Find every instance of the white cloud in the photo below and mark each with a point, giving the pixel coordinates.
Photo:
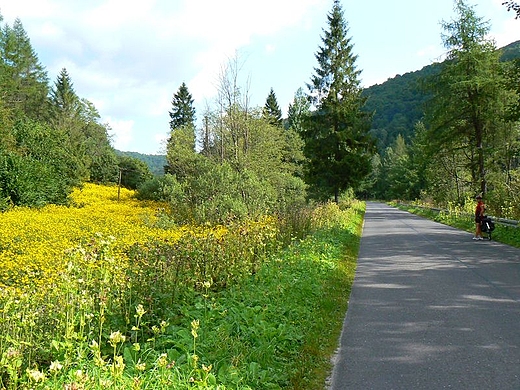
(121, 132)
(30, 9)
(270, 48)
(508, 32)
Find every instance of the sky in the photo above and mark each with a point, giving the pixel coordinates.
(129, 57)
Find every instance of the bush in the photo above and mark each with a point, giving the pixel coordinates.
(37, 169)
(160, 189)
(134, 172)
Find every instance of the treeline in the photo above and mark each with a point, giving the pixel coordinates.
(242, 161)
(51, 140)
(460, 133)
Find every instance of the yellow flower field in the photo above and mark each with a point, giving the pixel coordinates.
(33, 241)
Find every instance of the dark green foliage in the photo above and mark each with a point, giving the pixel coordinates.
(87, 139)
(510, 52)
(49, 142)
(337, 145)
(183, 112)
(398, 176)
(134, 172)
(65, 105)
(162, 188)
(156, 162)
(399, 103)
(272, 112)
(23, 80)
(468, 95)
(512, 72)
(38, 169)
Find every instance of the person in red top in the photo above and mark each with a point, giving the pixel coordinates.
(479, 213)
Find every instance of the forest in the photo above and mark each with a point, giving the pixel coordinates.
(409, 138)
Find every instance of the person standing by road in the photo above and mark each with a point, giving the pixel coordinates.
(479, 214)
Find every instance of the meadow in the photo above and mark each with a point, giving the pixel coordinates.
(110, 293)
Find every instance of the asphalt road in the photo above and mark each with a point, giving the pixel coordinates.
(429, 309)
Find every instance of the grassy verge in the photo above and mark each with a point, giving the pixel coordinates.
(505, 234)
(282, 326)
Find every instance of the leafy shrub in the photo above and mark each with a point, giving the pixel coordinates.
(37, 170)
(134, 172)
(160, 189)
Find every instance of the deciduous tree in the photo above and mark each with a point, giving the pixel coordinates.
(299, 110)
(470, 95)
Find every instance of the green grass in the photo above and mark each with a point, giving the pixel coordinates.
(282, 326)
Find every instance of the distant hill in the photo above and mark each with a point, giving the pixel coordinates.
(155, 162)
(511, 51)
(398, 102)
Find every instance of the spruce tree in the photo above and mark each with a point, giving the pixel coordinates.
(183, 112)
(272, 111)
(23, 80)
(180, 148)
(337, 144)
(64, 103)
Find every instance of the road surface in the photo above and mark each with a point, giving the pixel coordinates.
(429, 309)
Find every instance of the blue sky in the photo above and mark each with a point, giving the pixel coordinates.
(129, 57)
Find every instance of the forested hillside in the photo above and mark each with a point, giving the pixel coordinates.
(398, 103)
(155, 162)
(451, 130)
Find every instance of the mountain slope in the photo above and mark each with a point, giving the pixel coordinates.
(155, 162)
(398, 103)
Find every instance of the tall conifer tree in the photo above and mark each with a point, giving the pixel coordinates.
(272, 111)
(337, 144)
(23, 79)
(183, 112)
(65, 104)
(180, 149)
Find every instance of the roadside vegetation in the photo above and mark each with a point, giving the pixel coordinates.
(142, 304)
(461, 218)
